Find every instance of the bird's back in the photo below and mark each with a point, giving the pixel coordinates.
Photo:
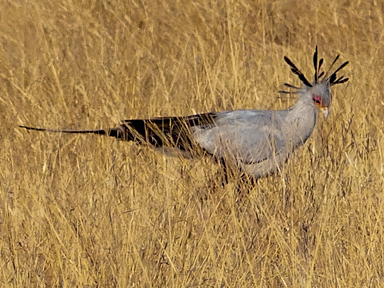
(257, 140)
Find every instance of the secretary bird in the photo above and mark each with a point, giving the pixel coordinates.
(257, 142)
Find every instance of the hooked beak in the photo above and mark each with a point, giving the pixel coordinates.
(325, 111)
(318, 103)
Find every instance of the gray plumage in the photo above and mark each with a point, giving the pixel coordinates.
(256, 141)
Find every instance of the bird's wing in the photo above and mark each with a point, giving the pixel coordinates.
(166, 131)
(246, 136)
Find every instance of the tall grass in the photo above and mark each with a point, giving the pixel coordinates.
(89, 211)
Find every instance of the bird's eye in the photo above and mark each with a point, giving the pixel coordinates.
(316, 99)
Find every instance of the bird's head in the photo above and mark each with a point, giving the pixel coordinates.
(320, 95)
(318, 92)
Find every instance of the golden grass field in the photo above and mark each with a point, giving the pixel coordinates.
(90, 211)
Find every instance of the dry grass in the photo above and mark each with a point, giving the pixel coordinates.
(89, 211)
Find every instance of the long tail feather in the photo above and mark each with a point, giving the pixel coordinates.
(159, 132)
(99, 131)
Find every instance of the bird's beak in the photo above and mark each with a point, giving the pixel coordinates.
(325, 111)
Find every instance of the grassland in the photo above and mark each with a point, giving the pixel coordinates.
(88, 211)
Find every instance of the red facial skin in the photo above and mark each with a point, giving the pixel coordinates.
(317, 100)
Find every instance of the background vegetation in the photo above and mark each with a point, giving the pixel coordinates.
(89, 211)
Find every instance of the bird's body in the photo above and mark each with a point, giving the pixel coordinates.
(256, 141)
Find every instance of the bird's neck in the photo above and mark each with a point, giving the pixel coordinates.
(302, 118)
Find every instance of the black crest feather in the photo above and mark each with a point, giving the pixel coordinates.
(331, 80)
(315, 65)
(296, 71)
